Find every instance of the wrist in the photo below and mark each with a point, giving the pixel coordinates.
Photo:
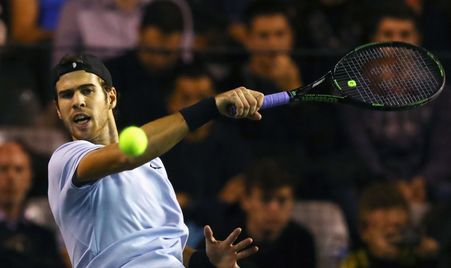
(200, 113)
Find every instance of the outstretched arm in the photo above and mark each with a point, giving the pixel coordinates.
(162, 135)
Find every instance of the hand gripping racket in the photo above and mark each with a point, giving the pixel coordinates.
(386, 76)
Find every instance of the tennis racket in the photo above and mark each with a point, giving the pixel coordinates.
(385, 76)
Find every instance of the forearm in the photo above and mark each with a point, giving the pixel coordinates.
(162, 135)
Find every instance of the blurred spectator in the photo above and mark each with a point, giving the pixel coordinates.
(267, 205)
(269, 41)
(107, 28)
(388, 237)
(22, 243)
(270, 68)
(143, 75)
(329, 24)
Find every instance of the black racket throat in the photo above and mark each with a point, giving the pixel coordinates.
(322, 90)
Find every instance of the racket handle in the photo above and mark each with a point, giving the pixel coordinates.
(271, 100)
(276, 99)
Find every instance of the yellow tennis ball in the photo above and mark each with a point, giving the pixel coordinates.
(133, 141)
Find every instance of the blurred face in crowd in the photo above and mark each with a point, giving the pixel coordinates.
(15, 175)
(268, 213)
(382, 229)
(394, 29)
(85, 107)
(269, 33)
(166, 46)
(189, 90)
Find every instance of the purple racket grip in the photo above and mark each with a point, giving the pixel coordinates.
(276, 99)
(271, 100)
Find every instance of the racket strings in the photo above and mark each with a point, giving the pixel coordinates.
(389, 75)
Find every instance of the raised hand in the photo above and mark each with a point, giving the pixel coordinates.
(225, 254)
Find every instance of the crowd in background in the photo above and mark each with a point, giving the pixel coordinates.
(315, 185)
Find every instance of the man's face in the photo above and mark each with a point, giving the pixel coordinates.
(83, 105)
(15, 174)
(392, 29)
(384, 226)
(153, 38)
(189, 90)
(269, 211)
(269, 33)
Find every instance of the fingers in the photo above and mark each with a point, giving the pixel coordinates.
(232, 236)
(246, 253)
(208, 233)
(247, 103)
(243, 244)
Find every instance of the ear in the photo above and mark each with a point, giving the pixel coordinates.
(112, 98)
(57, 109)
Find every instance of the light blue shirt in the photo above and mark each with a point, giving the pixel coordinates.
(127, 219)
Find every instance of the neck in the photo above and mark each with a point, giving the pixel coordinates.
(113, 135)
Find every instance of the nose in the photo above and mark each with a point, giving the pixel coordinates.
(78, 100)
(273, 205)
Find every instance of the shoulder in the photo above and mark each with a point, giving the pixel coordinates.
(72, 147)
(69, 154)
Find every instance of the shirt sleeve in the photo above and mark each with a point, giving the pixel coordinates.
(62, 167)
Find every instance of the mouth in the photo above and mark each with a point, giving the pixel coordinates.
(81, 119)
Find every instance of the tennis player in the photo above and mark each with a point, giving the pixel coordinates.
(119, 211)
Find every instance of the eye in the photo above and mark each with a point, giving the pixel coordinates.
(68, 94)
(86, 91)
(405, 34)
(280, 33)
